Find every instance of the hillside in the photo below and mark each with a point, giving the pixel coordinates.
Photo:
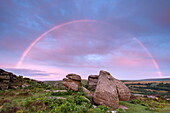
(156, 79)
(38, 97)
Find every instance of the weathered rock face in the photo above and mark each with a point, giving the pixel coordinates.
(4, 80)
(110, 90)
(72, 81)
(7, 80)
(74, 77)
(88, 93)
(106, 92)
(122, 90)
(92, 81)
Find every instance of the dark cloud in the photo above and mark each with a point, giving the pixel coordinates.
(28, 72)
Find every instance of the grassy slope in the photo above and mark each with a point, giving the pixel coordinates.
(17, 99)
(137, 108)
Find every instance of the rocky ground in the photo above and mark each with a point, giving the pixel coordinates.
(100, 94)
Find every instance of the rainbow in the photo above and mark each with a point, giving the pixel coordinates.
(45, 33)
(19, 63)
(151, 56)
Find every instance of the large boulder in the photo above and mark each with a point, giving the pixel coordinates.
(106, 91)
(109, 91)
(72, 81)
(92, 81)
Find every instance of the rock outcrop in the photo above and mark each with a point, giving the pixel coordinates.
(109, 91)
(92, 82)
(72, 81)
(106, 91)
(9, 80)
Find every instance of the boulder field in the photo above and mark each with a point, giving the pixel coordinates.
(108, 90)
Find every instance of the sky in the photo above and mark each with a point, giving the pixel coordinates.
(48, 39)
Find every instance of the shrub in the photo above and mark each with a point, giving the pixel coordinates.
(73, 103)
(69, 92)
(119, 110)
(59, 93)
(3, 101)
(151, 104)
(153, 109)
(9, 109)
(100, 109)
(135, 101)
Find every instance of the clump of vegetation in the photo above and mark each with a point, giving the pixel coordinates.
(9, 109)
(75, 103)
(150, 104)
(3, 101)
(68, 92)
(119, 110)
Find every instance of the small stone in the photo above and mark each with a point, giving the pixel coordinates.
(59, 91)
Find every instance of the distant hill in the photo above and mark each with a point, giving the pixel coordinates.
(150, 79)
(84, 81)
(156, 79)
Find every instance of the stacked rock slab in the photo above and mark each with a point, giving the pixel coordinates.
(92, 82)
(9, 80)
(6, 80)
(72, 81)
(109, 91)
